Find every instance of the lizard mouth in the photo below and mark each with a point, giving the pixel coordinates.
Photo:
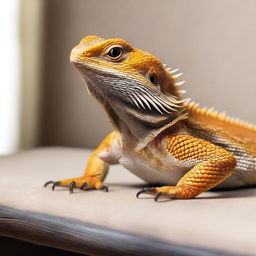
(87, 87)
(86, 79)
(88, 84)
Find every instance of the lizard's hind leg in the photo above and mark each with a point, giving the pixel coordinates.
(213, 165)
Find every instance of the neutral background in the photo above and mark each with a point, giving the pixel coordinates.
(213, 42)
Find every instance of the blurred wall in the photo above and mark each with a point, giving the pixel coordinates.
(213, 42)
(31, 43)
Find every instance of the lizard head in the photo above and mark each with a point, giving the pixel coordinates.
(130, 83)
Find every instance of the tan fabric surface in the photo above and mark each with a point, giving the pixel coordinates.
(217, 220)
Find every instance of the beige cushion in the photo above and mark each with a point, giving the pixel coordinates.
(222, 221)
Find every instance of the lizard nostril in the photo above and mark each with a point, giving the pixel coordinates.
(82, 53)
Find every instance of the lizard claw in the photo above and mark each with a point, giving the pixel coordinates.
(83, 187)
(48, 182)
(72, 185)
(145, 190)
(158, 195)
(155, 192)
(86, 183)
(54, 184)
(140, 192)
(105, 188)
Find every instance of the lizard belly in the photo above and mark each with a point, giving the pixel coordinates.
(150, 172)
(167, 171)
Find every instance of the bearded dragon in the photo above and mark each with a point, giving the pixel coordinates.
(157, 135)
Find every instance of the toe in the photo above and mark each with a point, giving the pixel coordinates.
(57, 183)
(145, 191)
(84, 186)
(72, 185)
(48, 182)
(105, 188)
(158, 195)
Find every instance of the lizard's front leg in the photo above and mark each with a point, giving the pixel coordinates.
(212, 165)
(95, 172)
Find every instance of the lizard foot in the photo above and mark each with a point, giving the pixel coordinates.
(84, 183)
(167, 192)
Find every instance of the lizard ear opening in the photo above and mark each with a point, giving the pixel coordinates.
(153, 79)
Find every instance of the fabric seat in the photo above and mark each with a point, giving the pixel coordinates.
(96, 222)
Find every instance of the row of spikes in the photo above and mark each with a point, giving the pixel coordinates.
(222, 116)
(207, 111)
(173, 73)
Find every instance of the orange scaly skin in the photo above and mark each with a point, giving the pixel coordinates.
(214, 165)
(157, 135)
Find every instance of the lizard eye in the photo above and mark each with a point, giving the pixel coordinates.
(115, 52)
(153, 79)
